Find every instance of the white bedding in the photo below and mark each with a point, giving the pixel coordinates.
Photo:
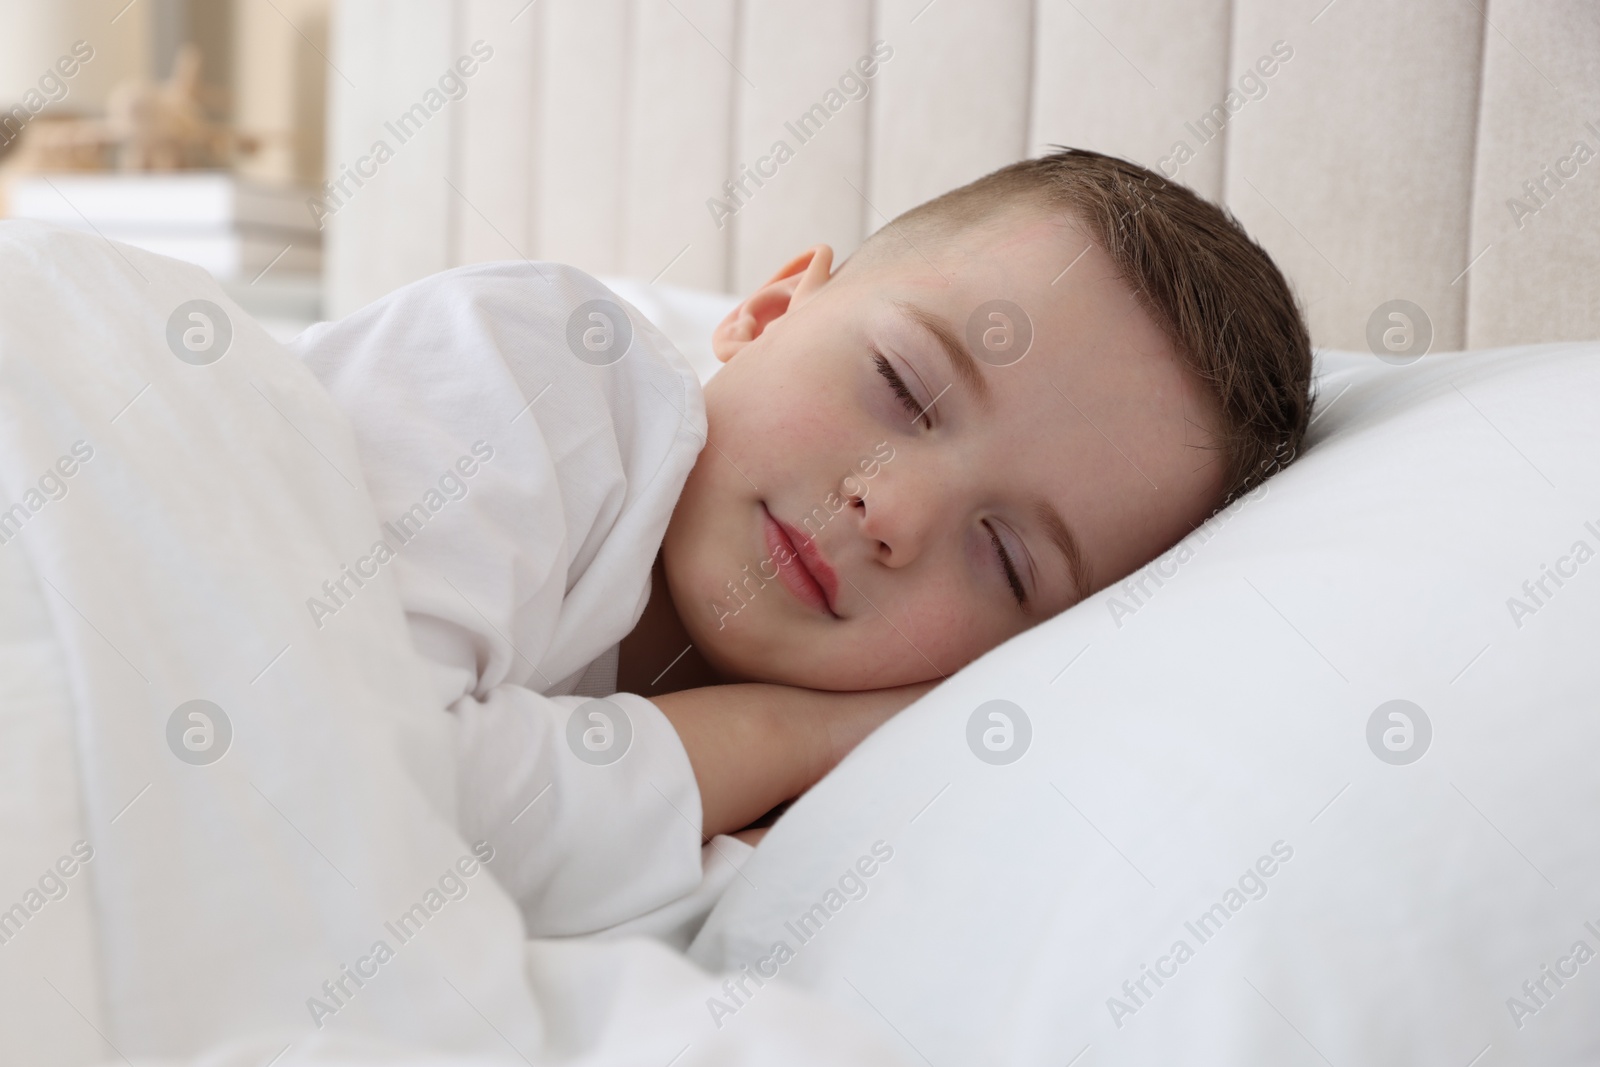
(221, 896)
(1215, 714)
(1196, 744)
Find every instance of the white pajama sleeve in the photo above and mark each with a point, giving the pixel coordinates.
(522, 533)
(580, 845)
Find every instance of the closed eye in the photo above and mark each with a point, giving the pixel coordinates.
(1011, 571)
(898, 384)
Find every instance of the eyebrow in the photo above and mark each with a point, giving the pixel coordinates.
(955, 351)
(1060, 535)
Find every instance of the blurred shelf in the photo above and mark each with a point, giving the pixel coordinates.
(257, 239)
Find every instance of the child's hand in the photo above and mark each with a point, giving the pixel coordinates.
(754, 745)
(848, 722)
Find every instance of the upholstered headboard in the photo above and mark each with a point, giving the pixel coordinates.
(1444, 152)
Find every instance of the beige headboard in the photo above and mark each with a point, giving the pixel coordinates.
(1426, 150)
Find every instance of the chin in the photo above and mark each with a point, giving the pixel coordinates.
(729, 669)
(723, 650)
(719, 647)
(742, 657)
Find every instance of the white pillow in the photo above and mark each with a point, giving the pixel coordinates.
(686, 316)
(1206, 742)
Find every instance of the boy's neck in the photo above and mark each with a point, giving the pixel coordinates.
(645, 662)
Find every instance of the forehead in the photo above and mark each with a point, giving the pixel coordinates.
(1042, 260)
(1037, 303)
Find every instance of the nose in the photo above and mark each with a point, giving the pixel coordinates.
(896, 513)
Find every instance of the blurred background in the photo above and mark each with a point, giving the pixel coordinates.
(194, 128)
(1441, 157)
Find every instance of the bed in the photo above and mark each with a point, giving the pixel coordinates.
(1315, 787)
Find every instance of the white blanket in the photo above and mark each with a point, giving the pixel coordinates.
(220, 910)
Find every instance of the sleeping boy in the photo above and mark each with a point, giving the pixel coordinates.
(657, 612)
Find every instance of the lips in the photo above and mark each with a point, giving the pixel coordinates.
(801, 568)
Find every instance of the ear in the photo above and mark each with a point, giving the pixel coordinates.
(793, 285)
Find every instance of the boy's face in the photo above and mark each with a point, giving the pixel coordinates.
(1098, 422)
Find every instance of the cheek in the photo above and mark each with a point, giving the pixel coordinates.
(795, 457)
(938, 620)
(782, 410)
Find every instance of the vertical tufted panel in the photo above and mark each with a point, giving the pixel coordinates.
(581, 153)
(679, 127)
(791, 57)
(1357, 176)
(1376, 163)
(1125, 78)
(952, 105)
(397, 226)
(498, 132)
(1539, 275)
